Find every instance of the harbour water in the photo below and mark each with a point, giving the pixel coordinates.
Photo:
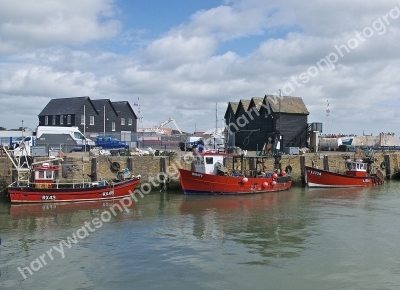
(298, 239)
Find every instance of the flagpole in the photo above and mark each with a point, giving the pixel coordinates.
(327, 115)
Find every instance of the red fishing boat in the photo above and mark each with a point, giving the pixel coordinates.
(38, 182)
(209, 176)
(356, 175)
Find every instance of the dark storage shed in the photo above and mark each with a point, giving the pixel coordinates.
(259, 120)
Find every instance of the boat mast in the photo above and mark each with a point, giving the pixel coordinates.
(216, 123)
(216, 118)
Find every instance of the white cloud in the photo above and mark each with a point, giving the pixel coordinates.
(25, 25)
(175, 48)
(227, 23)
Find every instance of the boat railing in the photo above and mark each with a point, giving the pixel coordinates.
(75, 184)
(249, 173)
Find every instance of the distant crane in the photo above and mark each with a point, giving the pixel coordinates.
(165, 123)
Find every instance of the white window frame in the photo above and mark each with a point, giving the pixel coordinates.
(91, 120)
(68, 119)
(129, 121)
(113, 126)
(46, 120)
(122, 121)
(61, 119)
(53, 120)
(83, 120)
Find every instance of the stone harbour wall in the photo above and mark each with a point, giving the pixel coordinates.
(78, 168)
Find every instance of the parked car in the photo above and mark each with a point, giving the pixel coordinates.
(109, 142)
(190, 146)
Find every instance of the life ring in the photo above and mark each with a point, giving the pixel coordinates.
(288, 169)
(383, 165)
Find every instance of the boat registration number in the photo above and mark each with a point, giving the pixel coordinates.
(315, 172)
(197, 174)
(48, 197)
(107, 193)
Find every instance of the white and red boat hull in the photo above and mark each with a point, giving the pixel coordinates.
(119, 189)
(202, 183)
(322, 178)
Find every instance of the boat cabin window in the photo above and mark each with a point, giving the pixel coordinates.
(49, 174)
(209, 160)
(356, 166)
(44, 174)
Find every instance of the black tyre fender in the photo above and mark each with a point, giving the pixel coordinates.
(115, 166)
(288, 169)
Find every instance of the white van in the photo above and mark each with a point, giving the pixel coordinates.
(74, 132)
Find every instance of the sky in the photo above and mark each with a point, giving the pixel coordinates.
(187, 59)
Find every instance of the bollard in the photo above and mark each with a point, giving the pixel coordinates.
(252, 166)
(64, 168)
(93, 169)
(129, 163)
(326, 163)
(163, 175)
(303, 170)
(386, 158)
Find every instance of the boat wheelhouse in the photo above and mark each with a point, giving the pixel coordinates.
(356, 168)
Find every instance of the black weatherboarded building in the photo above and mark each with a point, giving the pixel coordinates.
(92, 116)
(253, 123)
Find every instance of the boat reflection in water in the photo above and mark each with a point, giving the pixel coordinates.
(350, 193)
(231, 204)
(264, 223)
(75, 212)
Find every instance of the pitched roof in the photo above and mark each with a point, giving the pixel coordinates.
(119, 106)
(245, 104)
(65, 106)
(233, 106)
(257, 102)
(99, 105)
(288, 104)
